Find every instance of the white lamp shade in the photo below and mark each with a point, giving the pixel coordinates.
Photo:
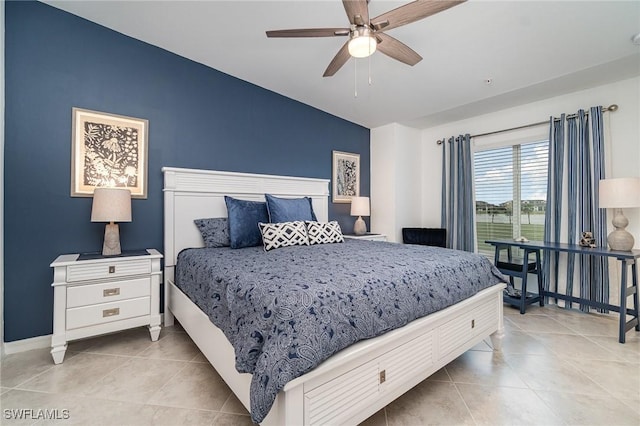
(619, 193)
(360, 206)
(362, 46)
(111, 205)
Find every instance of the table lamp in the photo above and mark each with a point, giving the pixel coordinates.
(360, 207)
(111, 205)
(620, 193)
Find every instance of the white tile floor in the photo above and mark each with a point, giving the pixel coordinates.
(557, 367)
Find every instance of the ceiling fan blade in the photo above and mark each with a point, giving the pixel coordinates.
(310, 32)
(413, 11)
(357, 11)
(396, 49)
(338, 61)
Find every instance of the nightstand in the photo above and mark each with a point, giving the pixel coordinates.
(95, 294)
(368, 236)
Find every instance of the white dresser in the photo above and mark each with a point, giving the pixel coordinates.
(100, 295)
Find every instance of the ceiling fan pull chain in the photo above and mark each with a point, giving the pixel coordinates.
(370, 82)
(355, 78)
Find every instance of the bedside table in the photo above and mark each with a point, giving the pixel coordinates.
(368, 236)
(95, 294)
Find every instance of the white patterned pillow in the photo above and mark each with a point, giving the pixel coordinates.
(324, 233)
(283, 234)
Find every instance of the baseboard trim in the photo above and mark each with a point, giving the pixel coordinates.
(39, 342)
(29, 344)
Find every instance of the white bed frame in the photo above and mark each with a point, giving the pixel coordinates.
(354, 383)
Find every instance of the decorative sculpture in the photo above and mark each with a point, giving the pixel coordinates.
(587, 240)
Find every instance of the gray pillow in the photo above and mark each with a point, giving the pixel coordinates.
(214, 231)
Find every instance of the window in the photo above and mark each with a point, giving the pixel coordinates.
(511, 192)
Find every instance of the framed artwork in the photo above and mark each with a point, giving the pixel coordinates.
(346, 176)
(108, 150)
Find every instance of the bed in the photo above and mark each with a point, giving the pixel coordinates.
(356, 381)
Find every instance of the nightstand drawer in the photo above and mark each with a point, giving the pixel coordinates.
(107, 312)
(102, 270)
(107, 292)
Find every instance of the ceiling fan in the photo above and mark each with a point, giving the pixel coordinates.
(367, 35)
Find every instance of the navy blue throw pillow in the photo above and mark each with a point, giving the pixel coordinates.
(289, 209)
(243, 221)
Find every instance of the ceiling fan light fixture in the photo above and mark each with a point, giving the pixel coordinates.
(365, 33)
(362, 43)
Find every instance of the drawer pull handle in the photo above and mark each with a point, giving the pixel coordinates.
(383, 376)
(111, 292)
(473, 323)
(110, 312)
(112, 269)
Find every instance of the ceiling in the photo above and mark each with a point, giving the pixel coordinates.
(529, 50)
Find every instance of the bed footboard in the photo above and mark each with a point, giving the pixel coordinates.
(361, 379)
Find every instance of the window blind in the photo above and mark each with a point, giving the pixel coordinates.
(510, 191)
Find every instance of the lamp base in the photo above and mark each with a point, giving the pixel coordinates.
(360, 227)
(620, 239)
(111, 246)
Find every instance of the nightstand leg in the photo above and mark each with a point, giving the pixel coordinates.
(57, 352)
(154, 331)
(59, 337)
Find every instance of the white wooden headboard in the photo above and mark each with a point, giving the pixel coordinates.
(195, 194)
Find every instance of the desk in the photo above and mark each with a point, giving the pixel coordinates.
(626, 258)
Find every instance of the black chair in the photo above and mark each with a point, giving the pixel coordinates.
(425, 236)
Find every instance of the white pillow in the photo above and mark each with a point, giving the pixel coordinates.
(324, 232)
(283, 234)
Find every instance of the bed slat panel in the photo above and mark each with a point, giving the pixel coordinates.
(400, 365)
(343, 396)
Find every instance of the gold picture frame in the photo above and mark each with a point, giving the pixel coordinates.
(108, 150)
(346, 176)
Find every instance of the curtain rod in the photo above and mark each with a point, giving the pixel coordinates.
(611, 108)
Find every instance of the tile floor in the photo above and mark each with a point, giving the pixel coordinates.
(557, 367)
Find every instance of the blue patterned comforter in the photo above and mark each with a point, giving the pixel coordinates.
(287, 310)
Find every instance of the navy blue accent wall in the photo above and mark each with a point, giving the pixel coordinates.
(198, 118)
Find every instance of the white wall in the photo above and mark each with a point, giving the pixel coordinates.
(391, 180)
(396, 189)
(623, 129)
(409, 188)
(432, 180)
(383, 186)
